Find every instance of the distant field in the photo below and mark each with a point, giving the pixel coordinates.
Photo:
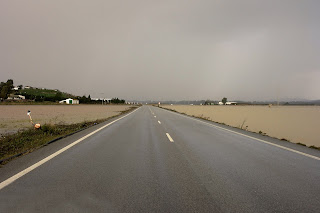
(299, 124)
(14, 117)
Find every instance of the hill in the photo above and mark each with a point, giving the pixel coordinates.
(40, 95)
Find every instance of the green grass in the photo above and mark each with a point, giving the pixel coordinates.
(31, 139)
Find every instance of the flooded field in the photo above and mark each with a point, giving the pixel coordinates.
(14, 117)
(298, 124)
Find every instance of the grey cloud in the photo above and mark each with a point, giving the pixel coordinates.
(250, 50)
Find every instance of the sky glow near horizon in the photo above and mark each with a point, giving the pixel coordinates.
(164, 50)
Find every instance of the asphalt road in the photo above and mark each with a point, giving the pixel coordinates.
(154, 160)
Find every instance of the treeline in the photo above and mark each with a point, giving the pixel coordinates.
(88, 100)
(84, 99)
(117, 101)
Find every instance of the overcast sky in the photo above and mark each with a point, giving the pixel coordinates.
(164, 50)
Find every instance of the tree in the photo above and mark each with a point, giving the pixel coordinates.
(2, 84)
(20, 86)
(9, 84)
(224, 100)
(6, 88)
(4, 92)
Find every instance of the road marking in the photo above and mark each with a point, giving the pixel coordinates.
(169, 137)
(34, 166)
(151, 111)
(257, 139)
(159, 122)
(155, 116)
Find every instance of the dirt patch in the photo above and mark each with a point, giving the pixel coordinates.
(14, 117)
(298, 124)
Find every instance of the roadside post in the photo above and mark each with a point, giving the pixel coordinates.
(36, 126)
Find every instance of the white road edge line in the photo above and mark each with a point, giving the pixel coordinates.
(159, 122)
(169, 137)
(263, 141)
(34, 166)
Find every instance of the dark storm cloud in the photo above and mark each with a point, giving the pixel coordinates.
(250, 50)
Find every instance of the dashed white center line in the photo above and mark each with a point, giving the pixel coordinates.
(155, 116)
(151, 111)
(169, 137)
(159, 122)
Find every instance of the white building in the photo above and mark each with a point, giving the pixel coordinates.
(16, 97)
(231, 103)
(228, 103)
(69, 101)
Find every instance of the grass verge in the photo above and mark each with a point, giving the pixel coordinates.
(26, 141)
